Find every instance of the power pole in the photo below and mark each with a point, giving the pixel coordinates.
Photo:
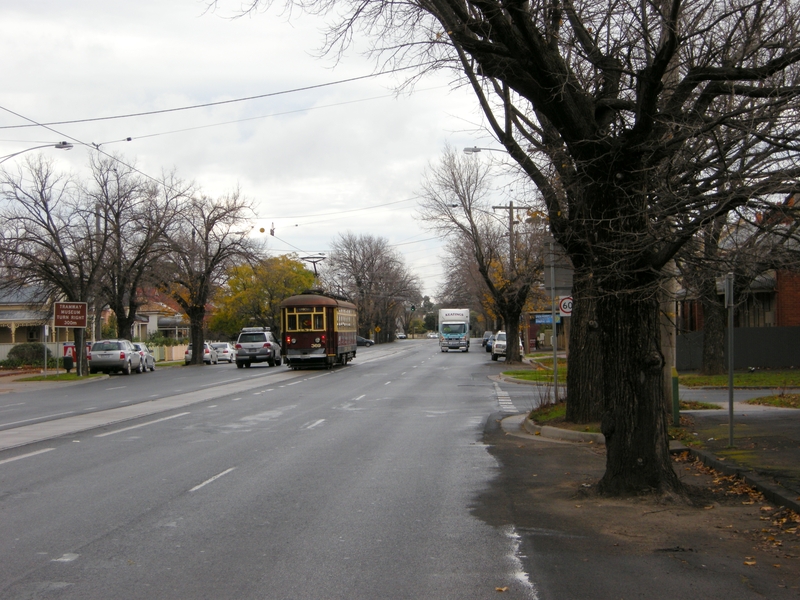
(511, 222)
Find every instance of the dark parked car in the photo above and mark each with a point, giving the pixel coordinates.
(110, 356)
(364, 341)
(486, 336)
(489, 343)
(148, 360)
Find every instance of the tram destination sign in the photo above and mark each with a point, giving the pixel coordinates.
(70, 314)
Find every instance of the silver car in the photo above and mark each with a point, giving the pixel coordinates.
(110, 356)
(225, 351)
(257, 344)
(148, 360)
(209, 354)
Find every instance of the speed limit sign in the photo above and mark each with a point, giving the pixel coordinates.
(565, 306)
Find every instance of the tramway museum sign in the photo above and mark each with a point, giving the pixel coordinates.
(70, 314)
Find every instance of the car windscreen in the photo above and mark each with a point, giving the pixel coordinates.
(501, 337)
(105, 346)
(250, 338)
(454, 328)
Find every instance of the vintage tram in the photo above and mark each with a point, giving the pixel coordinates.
(319, 330)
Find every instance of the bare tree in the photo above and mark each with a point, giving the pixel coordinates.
(367, 270)
(210, 236)
(135, 214)
(456, 203)
(49, 239)
(611, 110)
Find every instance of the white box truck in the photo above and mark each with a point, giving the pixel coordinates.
(454, 329)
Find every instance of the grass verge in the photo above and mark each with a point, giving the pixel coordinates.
(780, 400)
(59, 377)
(554, 415)
(785, 378)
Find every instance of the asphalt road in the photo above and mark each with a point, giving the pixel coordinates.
(354, 483)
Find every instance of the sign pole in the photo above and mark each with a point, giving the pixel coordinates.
(553, 315)
(729, 304)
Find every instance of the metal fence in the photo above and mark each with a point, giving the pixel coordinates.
(759, 347)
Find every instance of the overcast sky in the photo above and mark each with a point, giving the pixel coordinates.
(338, 158)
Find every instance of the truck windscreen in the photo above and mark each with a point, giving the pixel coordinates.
(458, 328)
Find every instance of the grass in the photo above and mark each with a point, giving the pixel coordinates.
(60, 377)
(554, 415)
(541, 376)
(764, 378)
(781, 401)
(695, 405)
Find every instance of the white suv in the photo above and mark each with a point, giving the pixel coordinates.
(500, 343)
(257, 344)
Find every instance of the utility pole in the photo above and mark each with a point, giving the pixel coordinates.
(511, 255)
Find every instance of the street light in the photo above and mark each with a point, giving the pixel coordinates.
(475, 150)
(58, 146)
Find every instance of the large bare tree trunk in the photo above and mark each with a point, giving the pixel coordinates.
(585, 372)
(634, 423)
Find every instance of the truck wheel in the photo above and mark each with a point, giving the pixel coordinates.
(278, 360)
(239, 364)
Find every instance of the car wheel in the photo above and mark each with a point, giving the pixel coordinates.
(278, 360)
(247, 364)
(92, 371)
(127, 369)
(153, 367)
(140, 369)
(494, 356)
(239, 364)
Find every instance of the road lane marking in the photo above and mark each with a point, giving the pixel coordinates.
(387, 383)
(121, 387)
(314, 424)
(8, 460)
(214, 478)
(141, 425)
(235, 399)
(37, 418)
(359, 398)
(68, 557)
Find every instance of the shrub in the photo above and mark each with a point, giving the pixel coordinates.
(29, 353)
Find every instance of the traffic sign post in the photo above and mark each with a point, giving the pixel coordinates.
(70, 314)
(565, 306)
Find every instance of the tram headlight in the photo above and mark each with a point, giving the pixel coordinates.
(316, 340)
(294, 340)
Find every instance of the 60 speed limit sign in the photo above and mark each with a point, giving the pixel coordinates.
(565, 306)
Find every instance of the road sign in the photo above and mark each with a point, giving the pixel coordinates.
(377, 329)
(70, 314)
(565, 306)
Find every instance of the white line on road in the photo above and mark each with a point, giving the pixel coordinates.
(314, 424)
(141, 425)
(359, 398)
(214, 478)
(387, 383)
(8, 460)
(121, 387)
(235, 399)
(68, 557)
(37, 418)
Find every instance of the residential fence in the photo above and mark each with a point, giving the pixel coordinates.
(161, 353)
(758, 347)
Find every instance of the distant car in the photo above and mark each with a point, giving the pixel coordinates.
(148, 360)
(433, 335)
(364, 341)
(489, 343)
(257, 344)
(225, 351)
(486, 336)
(110, 356)
(401, 336)
(209, 354)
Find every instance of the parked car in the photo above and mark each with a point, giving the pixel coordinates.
(489, 343)
(433, 335)
(148, 360)
(360, 341)
(401, 336)
(110, 356)
(500, 344)
(225, 351)
(209, 354)
(486, 336)
(257, 344)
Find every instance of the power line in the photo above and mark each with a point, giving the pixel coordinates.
(219, 103)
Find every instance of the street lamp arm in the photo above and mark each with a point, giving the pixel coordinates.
(476, 149)
(58, 146)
